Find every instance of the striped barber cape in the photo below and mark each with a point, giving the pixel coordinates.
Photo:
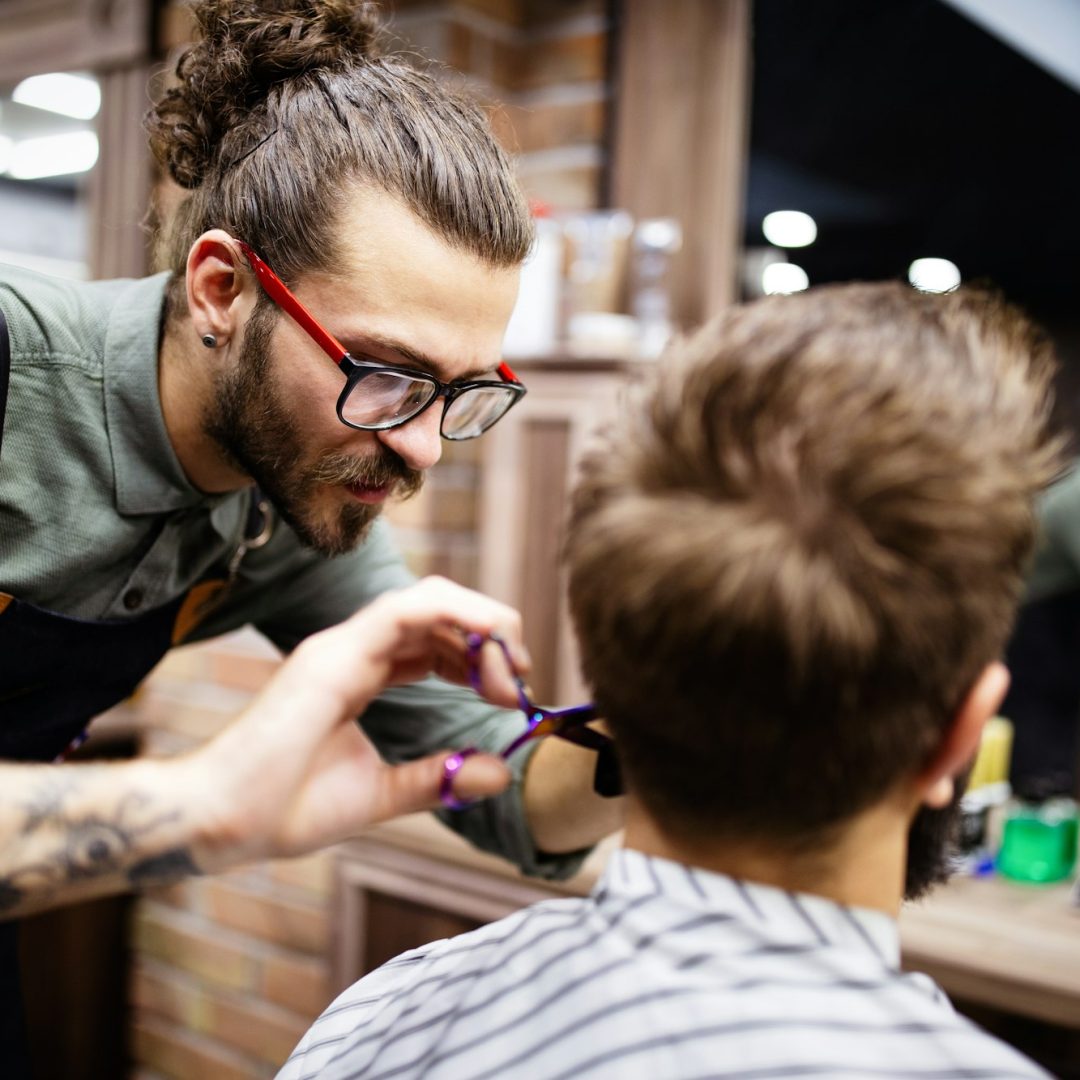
(664, 971)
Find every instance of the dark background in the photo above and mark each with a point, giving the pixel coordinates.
(906, 130)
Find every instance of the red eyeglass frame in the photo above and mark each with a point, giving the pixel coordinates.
(280, 293)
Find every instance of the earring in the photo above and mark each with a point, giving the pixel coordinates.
(209, 341)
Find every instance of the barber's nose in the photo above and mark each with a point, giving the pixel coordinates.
(418, 442)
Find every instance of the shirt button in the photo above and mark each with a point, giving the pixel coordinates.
(133, 598)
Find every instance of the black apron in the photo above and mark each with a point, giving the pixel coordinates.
(57, 673)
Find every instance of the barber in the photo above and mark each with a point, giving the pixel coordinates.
(211, 447)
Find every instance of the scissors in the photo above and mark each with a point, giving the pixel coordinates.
(569, 724)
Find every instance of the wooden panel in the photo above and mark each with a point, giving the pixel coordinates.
(388, 899)
(546, 457)
(120, 182)
(529, 462)
(396, 925)
(68, 35)
(680, 136)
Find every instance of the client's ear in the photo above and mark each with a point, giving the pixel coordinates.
(961, 742)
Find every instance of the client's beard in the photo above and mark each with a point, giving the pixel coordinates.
(932, 843)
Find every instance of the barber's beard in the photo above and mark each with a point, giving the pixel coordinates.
(256, 430)
(932, 844)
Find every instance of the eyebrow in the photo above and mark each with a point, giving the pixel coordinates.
(418, 360)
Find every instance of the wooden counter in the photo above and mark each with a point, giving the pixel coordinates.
(999, 943)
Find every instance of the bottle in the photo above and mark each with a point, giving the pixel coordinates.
(656, 242)
(1039, 837)
(534, 328)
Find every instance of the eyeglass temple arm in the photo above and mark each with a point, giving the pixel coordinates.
(506, 373)
(279, 292)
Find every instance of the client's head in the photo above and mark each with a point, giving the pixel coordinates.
(797, 555)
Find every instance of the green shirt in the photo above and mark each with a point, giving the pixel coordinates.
(98, 521)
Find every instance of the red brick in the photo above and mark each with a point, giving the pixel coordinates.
(312, 873)
(550, 125)
(505, 11)
(182, 1055)
(177, 939)
(170, 996)
(580, 58)
(545, 12)
(454, 510)
(293, 924)
(263, 1031)
(301, 984)
(181, 894)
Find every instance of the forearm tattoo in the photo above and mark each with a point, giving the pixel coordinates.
(58, 845)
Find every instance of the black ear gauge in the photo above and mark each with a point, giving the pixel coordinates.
(209, 341)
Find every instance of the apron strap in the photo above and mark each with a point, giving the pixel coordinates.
(5, 368)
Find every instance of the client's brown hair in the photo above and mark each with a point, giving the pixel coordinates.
(794, 552)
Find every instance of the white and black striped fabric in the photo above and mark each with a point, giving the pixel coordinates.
(663, 972)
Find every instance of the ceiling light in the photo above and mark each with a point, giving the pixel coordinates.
(53, 155)
(783, 277)
(934, 275)
(789, 228)
(70, 95)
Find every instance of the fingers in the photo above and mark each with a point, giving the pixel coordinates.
(438, 603)
(414, 786)
(496, 679)
(401, 637)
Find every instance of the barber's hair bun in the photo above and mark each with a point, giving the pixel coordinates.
(245, 48)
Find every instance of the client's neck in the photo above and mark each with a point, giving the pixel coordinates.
(864, 867)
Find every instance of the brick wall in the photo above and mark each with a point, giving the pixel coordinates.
(228, 972)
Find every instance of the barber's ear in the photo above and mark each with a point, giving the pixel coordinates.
(219, 296)
(961, 742)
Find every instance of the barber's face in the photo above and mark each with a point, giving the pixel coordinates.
(400, 295)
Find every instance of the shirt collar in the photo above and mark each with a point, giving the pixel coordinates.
(791, 918)
(146, 471)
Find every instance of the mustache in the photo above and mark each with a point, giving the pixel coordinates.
(385, 469)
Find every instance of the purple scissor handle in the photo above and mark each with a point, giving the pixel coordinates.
(567, 724)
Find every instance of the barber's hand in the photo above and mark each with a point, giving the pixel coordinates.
(295, 771)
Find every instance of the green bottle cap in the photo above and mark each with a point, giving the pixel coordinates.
(1039, 842)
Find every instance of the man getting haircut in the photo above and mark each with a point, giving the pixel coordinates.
(793, 563)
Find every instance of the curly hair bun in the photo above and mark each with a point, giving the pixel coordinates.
(246, 47)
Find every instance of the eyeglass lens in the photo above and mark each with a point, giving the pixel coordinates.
(385, 398)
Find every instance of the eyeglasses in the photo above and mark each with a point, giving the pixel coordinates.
(567, 724)
(378, 396)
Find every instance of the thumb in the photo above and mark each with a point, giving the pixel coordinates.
(405, 789)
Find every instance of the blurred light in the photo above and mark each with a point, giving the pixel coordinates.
(783, 277)
(5, 152)
(789, 228)
(934, 275)
(70, 95)
(53, 155)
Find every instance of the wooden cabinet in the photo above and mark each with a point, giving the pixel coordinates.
(528, 472)
(412, 881)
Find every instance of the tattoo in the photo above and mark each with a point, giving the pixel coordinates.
(163, 869)
(70, 846)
